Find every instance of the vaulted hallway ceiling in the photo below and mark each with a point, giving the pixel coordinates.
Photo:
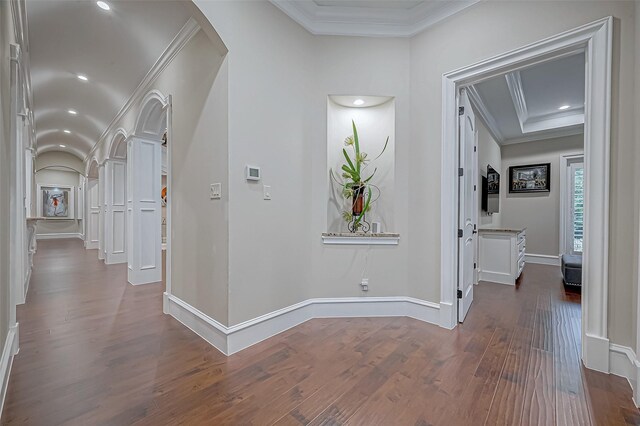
(113, 49)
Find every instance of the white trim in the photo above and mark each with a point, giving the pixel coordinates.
(542, 259)
(59, 235)
(514, 83)
(186, 33)
(9, 350)
(363, 240)
(549, 123)
(484, 113)
(595, 40)
(230, 340)
(546, 134)
(623, 362)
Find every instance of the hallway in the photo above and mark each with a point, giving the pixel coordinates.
(96, 350)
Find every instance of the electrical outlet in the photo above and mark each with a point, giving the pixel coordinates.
(365, 284)
(215, 191)
(266, 190)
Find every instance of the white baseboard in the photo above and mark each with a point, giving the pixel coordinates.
(542, 259)
(58, 235)
(624, 363)
(496, 277)
(6, 361)
(596, 353)
(230, 340)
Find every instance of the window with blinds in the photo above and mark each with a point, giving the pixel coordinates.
(577, 208)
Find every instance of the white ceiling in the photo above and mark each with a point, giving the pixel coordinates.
(391, 18)
(524, 105)
(115, 49)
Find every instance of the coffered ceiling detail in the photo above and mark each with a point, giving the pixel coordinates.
(382, 18)
(541, 102)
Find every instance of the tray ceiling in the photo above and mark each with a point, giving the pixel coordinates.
(541, 102)
(389, 18)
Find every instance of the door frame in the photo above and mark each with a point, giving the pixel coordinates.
(565, 161)
(595, 40)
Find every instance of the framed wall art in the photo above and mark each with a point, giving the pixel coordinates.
(530, 178)
(56, 201)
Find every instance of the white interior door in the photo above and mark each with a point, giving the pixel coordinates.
(93, 214)
(144, 160)
(115, 229)
(468, 209)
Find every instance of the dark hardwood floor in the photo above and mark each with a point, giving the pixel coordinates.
(95, 350)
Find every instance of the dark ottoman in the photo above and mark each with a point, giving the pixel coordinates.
(572, 269)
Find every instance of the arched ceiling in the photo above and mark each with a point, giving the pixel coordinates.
(113, 48)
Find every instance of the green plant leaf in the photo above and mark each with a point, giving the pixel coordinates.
(354, 176)
(346, 156)
(369, 178)
(356, 144)
(383, 149)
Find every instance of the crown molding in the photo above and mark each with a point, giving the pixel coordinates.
(550, 121)
(486, 117)
(369, 21)
(514, 83)
(546, 134)
(186, 33)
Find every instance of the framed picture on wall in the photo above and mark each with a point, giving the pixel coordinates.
(56, 201)
(530, 178)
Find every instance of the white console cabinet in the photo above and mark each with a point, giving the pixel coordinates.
(501, 254)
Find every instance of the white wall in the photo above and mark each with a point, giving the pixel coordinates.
(198, 83)
(61, 227)
(488, 154)
(538, 212)
(478, 33)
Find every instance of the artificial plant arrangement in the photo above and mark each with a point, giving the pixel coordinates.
(356, 182)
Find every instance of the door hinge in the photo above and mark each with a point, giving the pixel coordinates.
(460, 233)
(475, 149)
(474, 188)
(460, 171)
(461, 110)
(459, 294)
(475, 266)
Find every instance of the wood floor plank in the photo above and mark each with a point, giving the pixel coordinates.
(98, 351)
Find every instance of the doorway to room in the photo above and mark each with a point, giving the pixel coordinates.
(594, 42)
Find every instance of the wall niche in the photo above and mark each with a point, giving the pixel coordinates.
(374, 117)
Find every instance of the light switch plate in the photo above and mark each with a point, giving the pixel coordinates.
(216, 191)
(266, 189)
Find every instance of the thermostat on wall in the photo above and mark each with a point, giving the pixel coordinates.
(252, 173)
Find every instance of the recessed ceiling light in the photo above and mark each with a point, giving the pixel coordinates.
(102, 5)
(358, 102)
(564, 107)
(67, 131)
(62, 146)
(72, 112)
(82, 77)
